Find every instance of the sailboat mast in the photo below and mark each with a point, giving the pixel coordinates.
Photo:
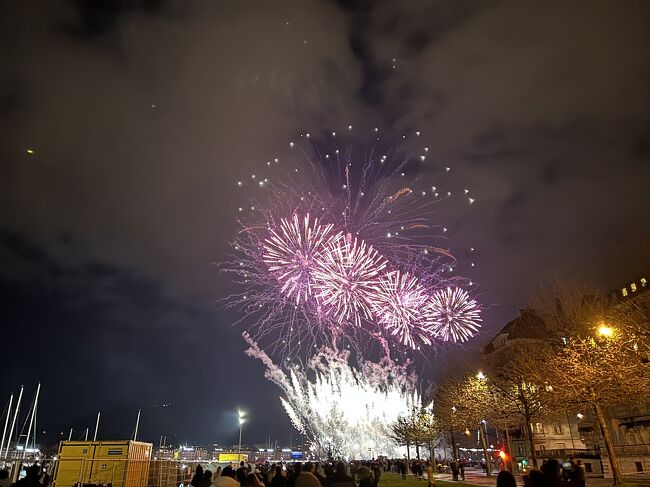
(31, 419)
(13, 422)
(137, 424)
(4, 431)
(99, 413)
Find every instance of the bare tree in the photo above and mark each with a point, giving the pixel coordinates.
(460, 403)
(427, 428)
(403, 432)
(515, 393)
(449, 409)
(600, 360)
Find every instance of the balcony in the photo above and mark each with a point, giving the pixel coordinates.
(568, 453)
(631, 450)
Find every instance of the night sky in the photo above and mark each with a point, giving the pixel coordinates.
(141, 115)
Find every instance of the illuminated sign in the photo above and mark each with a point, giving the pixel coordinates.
(232, 457)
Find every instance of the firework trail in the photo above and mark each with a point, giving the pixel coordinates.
(339, 247)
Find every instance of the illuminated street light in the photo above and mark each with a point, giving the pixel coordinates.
(240, 415)
(481, 375)
(605, 331)
(580, 415)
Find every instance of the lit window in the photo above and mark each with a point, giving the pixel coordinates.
(557, 429)
(624, 291)
(633, 287)
(643, 281)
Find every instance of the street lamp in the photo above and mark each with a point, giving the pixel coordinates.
(605, 331)
(480, 375)
(240, 415)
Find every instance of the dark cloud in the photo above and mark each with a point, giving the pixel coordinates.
(143, 114)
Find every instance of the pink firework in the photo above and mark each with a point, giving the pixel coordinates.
(346, 281)
(291, 252)
(453, 315)
(400, 306)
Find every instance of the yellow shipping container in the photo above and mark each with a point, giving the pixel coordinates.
(120, 463)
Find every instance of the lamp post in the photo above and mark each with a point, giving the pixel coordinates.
(240, 415)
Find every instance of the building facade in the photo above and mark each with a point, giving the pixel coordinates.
(577, 435)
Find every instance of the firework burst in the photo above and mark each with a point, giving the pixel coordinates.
(346, 280)
(292, 252)
(399, 308)
(453, 315)
(325, 231)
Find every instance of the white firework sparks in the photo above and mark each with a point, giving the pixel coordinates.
(343, 410)
(453, 315)
(291, 251)
(399, 308)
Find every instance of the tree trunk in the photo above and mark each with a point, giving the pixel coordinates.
(488, 459)
(453, 446)
(531, 443)
(607, 437)
(417, 450)
(408, 451)
(510, 459)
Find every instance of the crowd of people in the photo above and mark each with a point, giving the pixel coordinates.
(308, 474)
(552, 474)
(35, 476)
(342, 474)
(368, 474)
